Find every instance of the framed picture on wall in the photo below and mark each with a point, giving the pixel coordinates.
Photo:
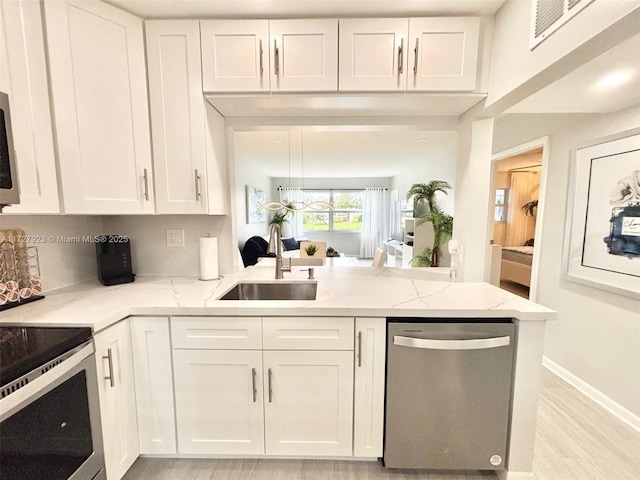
(255, 198)
(603, 238)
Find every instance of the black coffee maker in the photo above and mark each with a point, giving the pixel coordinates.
(114, 260)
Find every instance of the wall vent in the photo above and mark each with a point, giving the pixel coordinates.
(549, 15)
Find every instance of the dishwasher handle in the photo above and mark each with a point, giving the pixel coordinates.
(472, 344)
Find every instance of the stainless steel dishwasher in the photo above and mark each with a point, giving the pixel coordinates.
(448, 394)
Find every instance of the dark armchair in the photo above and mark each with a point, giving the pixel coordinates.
(253, 249)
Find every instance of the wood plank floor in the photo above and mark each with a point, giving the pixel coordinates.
(575, 440)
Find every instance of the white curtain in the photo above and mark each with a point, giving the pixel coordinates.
(520, 227)
(292, 228)
(375, 221)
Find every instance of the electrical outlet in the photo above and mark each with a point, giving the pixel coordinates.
(175, 238)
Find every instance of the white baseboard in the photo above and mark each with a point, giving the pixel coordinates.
(596, 395)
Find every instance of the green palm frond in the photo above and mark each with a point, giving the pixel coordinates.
(423, 259)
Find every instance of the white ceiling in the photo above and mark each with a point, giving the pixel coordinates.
(302, 8)
(585, 90)
(333, 154)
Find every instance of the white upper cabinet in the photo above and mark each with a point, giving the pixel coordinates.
(235, 55)
(417, 54)
(99, 89)
(304, 54)
(177, 115)
(444, 53)
(270, 55)
(23, 76)
(373, 54)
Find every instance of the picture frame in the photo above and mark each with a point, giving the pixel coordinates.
(255, 198)
(602, 241)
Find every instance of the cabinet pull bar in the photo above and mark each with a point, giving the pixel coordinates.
(401, 56)
(415, 58)
(110, 377)
(146, 184)
(253, 381)
(197, 186)
(276, 56)
(359, 349)
(270, 385)
(261, 61)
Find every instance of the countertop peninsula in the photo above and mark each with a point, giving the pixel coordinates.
(342, 291)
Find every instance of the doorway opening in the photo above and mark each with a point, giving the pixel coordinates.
(518, 185)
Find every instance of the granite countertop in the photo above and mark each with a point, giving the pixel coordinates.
(342, 291)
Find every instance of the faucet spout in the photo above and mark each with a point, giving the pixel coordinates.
(275, 246)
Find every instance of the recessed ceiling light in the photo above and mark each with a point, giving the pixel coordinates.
(422, 139)
(613, 79)
(275, 140)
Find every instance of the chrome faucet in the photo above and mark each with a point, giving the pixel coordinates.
(275, 246)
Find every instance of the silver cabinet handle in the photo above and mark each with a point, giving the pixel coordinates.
(473, 344)
(415, 58)
(270, 385)
(253, 381)
(359, 349)
(261, 61)
(146, 184)
(276, 56)
(197, 186)
(110, 377)
(401, 56)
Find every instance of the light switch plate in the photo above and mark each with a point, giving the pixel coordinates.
(175, 238)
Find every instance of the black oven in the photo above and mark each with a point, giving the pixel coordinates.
(9, 191)
(49, 410)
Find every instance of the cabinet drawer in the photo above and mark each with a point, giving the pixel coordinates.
(308, 333)
(243, 333)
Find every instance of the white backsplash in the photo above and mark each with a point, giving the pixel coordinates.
(64, 257)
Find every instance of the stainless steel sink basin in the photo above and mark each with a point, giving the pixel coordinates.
(272, 291)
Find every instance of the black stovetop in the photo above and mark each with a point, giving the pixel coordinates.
(23, 349)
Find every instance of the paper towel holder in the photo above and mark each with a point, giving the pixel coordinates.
(204, 259)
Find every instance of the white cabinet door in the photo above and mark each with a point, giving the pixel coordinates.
(219, 406)
(368, 401)
(23, 76)
(308, 403)
(117, 399)
(99, 90)
(444, 53)
(177, 115)
(153, 375)
(373, 54)
(235, 55)
(304, 54)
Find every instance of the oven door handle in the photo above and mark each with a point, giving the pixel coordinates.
(472, 344)
(25, 395)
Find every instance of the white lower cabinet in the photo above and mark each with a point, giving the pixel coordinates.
(152, 368)
(219, 401)
(117, 398)
(308, 402)
(369, 385)
(232, 397)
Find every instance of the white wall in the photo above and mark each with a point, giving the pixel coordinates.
(512, 64)
(436, 164)
(597, 333)
(61, 263)
(246, 175)
(149, 251)
(473, 198)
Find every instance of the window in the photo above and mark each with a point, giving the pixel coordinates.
(500, 214)
(345, 217)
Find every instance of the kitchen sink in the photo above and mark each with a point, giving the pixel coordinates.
(272, 291)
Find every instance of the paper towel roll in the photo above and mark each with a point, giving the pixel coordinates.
(208, 258)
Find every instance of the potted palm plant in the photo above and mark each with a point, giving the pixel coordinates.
(441, 222)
